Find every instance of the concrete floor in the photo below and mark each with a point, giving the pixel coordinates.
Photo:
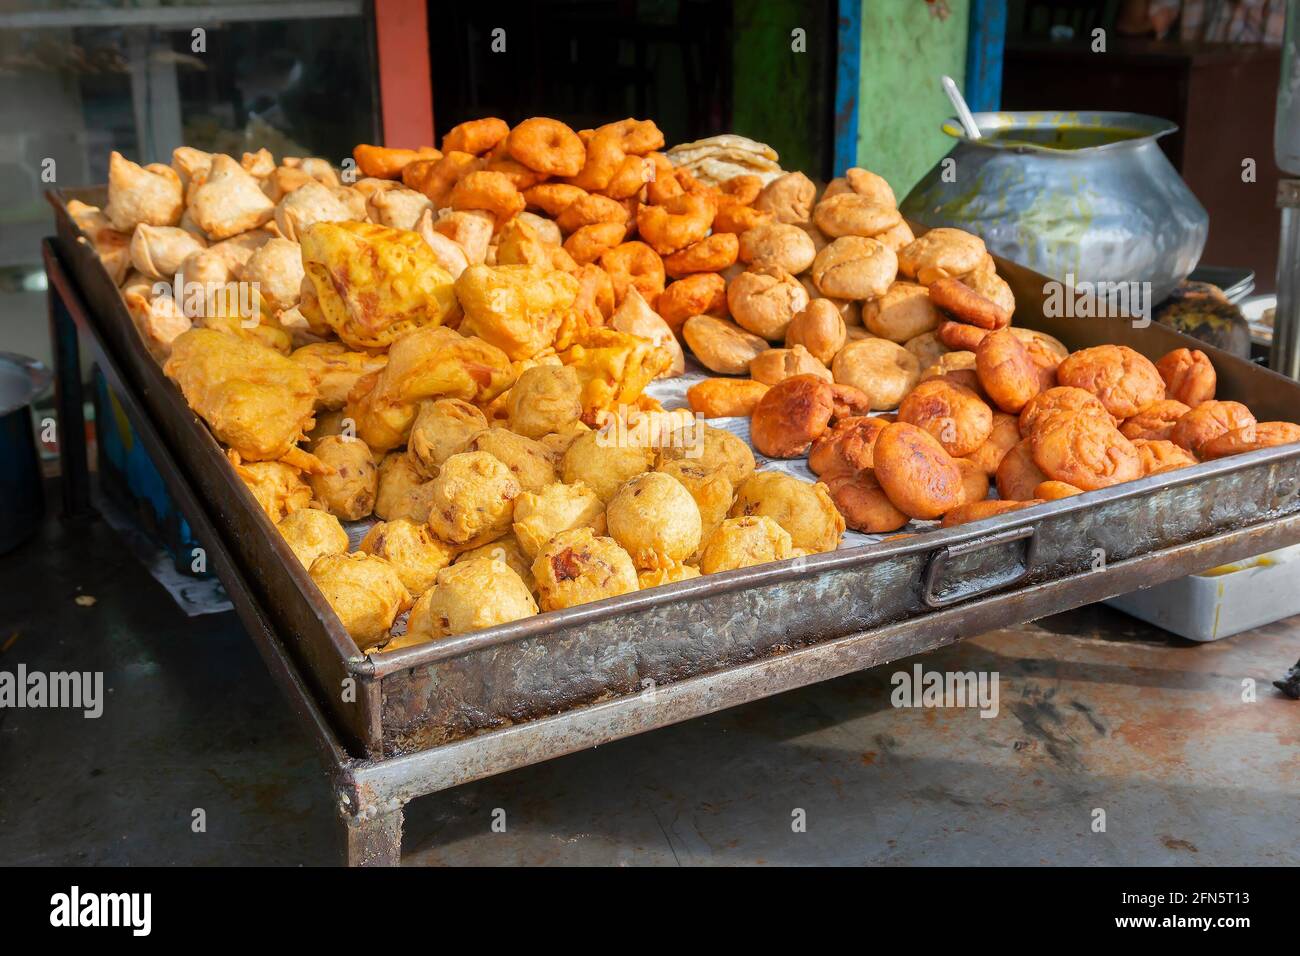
(1097, 711)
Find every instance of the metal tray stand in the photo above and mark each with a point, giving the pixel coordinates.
(398, 725)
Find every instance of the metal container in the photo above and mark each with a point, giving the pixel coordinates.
(1112, 212)
(624, 663)
(1284, 353)
(22, 379)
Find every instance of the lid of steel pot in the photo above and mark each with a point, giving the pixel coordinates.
(21, 380)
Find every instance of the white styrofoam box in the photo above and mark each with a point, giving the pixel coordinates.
(1222, 601)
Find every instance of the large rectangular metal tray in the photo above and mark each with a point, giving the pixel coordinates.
(439, 695)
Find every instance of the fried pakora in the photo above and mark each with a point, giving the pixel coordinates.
(472, 499)
(802, 508)
(311, 532)
(347, 484)
(255, 400)
(577, 567)
(375, 284)
(469, 596)
(656, 520)
(744, 542)
(364, 591)
(411, 548)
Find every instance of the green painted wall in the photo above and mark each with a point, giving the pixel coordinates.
(776, 94)
(905, 49)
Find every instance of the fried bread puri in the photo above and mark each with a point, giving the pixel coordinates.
(721, 346)
(410, 547)
(802, 508)
(311, 532)
(472, 499)
(954, 415)
(882, 370)
(469, 596)
(960, 336)
(364, 591)
(543, 400)
(1157, 455)
(765, 301)
(950, 250)
(528, 460)
(846, 445)
(772, 366)
(602, 464)
(862, 502)
(1208, 421)
(541, 515)
(577, 567)
(1157, 420)
(1003, 436)
(1007, 373)
(655, 520)
(711, 488)
(1251, 438)
(1017, 474)
(1084, 451)
(1188, 375)
(819, 328)
(902, 313)
(1125, 381)
(744, 542)
(1062, 398)
(347, 485)
(854, 267)
(921, 479)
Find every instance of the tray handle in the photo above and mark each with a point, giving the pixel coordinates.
(934, 570)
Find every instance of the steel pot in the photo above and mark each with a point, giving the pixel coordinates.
(1088, 195)
(22, 491)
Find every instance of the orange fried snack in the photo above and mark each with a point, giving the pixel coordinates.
(1157, 420)
(1084, 451)
(846, 446)
(1251, 438)
(383, 162)
(1157, 455)
(955, 415)
(920, 478)
(1208, 421)
(862, 502)
(1124, 380)
(1006, 371)
(791, 415)
(1017, 475)
(1188, 375)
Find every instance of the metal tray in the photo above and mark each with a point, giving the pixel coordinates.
(641, 645)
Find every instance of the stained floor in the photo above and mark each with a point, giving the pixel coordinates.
(1101, 720)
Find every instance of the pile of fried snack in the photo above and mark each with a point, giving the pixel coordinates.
(454, 342)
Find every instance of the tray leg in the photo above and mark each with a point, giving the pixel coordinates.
(75, 478)
(375, 840)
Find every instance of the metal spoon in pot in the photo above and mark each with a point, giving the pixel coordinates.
(964, 114)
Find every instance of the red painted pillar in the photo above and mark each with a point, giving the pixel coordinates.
(405, 87)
